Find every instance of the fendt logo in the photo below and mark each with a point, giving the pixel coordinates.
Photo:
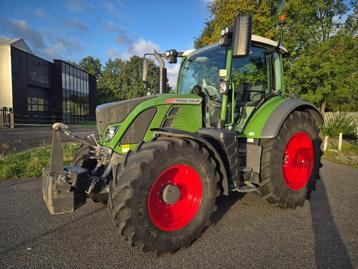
(183, 101)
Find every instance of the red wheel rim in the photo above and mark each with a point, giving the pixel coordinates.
(173, 217)
(298, 161)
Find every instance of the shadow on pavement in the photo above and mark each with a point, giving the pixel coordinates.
(330, 251)
(224, 203)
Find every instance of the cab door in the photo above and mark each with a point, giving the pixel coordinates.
(253, 79)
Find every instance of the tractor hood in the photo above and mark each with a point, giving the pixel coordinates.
(115, 112)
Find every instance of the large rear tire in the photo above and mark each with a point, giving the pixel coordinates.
(291, 161)
(162, 199)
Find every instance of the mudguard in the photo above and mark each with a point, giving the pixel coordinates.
(267, 120)
(279, 115)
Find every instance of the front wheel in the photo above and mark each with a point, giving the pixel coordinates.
(163, 198)
(290, 162)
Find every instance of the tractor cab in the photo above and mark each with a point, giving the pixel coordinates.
(254, 78)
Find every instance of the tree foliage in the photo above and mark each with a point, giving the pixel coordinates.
(321, 36)
(119, 79)
(91, 65)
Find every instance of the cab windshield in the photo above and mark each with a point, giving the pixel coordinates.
(202, 69)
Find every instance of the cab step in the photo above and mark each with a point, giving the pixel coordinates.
(245, 187)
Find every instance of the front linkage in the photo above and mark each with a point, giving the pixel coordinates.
(66, 188)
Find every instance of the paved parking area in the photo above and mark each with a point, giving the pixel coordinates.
(246, 232)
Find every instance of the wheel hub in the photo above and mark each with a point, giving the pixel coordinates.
(170, 194)
(175, 197)
(298, 161)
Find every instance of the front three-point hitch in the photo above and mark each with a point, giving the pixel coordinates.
(66, 188)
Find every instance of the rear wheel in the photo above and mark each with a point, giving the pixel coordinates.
(290, 162)
(163, 198)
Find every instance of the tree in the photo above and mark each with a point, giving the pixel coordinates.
(321, 36)
(122, 80)
(91, 65)
(327, 75)
(223, 12)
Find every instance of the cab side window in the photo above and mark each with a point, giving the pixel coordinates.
(252, 76)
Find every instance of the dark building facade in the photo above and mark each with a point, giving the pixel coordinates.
(45, 92)
(76, 89)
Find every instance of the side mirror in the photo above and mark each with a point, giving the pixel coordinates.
(145, 69)
(241, 39)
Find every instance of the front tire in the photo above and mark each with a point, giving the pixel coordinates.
(163, 198)
(83, 154)
(83, 158)
(290, 162)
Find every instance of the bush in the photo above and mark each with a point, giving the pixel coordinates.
(30, 163)
(339, 122)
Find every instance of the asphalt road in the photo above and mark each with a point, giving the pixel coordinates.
(247, 233)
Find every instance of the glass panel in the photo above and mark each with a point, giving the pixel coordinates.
(67, 78)
(202, 69)
(250, 74)
(63, 79)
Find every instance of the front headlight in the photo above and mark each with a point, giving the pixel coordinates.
(110, 132)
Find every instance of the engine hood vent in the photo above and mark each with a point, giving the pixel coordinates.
(116, 112)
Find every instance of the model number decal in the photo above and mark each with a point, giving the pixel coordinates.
(183, 101)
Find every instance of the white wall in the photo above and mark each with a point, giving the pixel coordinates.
(5, 77)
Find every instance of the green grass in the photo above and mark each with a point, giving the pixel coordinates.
(30, 163)
(348, 155)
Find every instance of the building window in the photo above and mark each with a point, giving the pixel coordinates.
(37, 104)
(75, 84)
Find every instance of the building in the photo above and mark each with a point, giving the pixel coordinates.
(39, 91)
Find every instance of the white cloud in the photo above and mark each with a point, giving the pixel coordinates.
(46, 44)
(139, 48)
(61, 47)
(113, 53)
(20, 29)
(172, 73)
(143, 46)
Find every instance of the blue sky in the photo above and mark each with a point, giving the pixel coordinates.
(71, 30)
(74, 29)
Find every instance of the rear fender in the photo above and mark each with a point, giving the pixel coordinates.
(267, 120)
(280, 114)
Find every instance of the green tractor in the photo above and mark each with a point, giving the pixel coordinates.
(162, 160)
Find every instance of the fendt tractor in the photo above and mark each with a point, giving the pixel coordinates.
(160, 161)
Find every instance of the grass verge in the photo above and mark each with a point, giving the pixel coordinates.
(348, 155)
(30, 163)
